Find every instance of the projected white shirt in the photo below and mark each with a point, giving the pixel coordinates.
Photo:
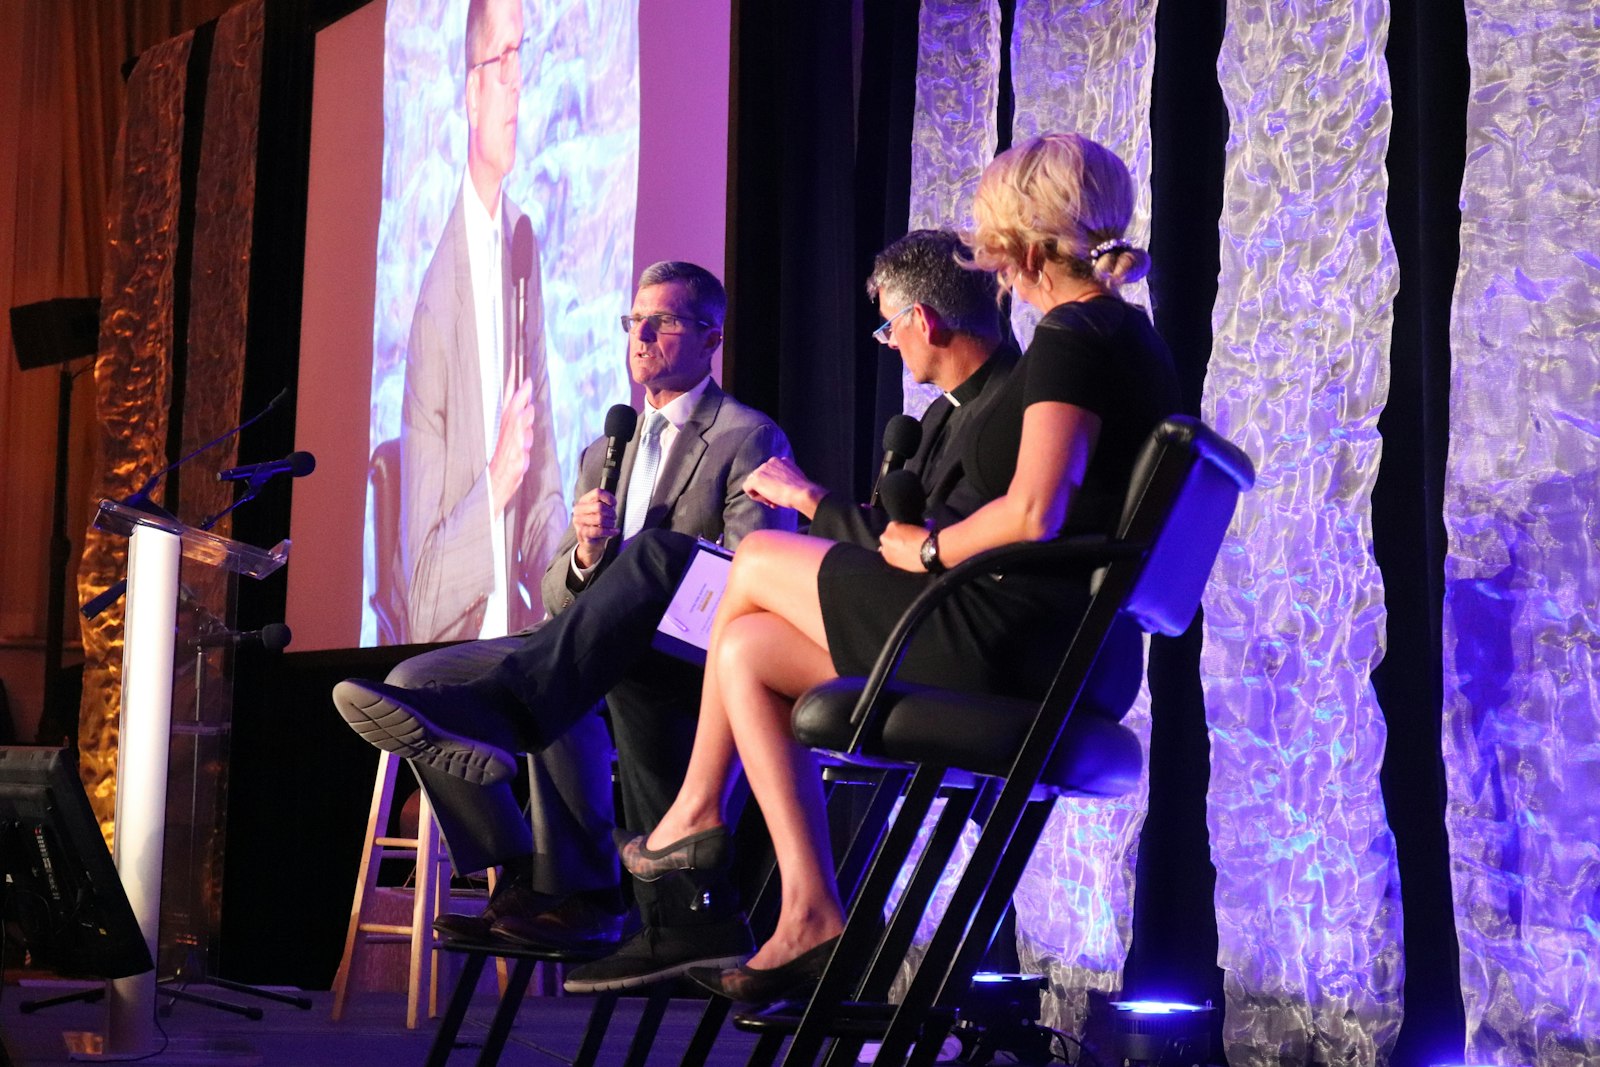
(484, 255)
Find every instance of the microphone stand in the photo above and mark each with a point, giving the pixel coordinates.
(193, 970)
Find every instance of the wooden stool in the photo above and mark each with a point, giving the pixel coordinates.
(430, 898)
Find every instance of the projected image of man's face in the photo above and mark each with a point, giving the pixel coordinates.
(494, 89)
(504, 249)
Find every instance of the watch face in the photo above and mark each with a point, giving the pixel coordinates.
(930, 554)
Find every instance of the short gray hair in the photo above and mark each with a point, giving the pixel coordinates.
(934, 268)
(706, 295)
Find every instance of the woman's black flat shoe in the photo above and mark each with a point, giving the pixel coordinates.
(756, 985)
(707, 850)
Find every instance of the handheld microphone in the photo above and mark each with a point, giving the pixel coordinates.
(620, 423)
(142, 497)
(521, 271)
(274, 637)
(295, 464)
(903, 497)
(902, 434)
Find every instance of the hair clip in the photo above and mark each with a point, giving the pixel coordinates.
(1116, 244)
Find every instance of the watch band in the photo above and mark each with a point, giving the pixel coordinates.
(929, 554)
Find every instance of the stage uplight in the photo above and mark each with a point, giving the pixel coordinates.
(1159, 1033)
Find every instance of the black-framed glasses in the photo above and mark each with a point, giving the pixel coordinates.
(662, 323)
(881, 334)
(510, 62)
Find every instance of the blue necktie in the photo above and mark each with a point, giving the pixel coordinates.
(643, 481)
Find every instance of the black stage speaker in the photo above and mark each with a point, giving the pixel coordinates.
(54, 331)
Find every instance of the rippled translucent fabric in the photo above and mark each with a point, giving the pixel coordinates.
(1308, 896)
(132, 377)
(953, 131)
(1522, 514)
(1084, 66)
(1075, 900)
(940, 900)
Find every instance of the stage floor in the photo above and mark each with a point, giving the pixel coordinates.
(549, 1031)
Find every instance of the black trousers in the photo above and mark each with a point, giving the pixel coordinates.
(598, 649)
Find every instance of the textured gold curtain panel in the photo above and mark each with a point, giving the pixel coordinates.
(133, 377)
(135, 372)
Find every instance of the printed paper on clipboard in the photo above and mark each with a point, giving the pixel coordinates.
(685, 629)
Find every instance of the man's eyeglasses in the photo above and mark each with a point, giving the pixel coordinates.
(510, 63)
(661, 323)
(882, 332)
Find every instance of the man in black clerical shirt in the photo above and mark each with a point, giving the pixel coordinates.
(943, 320)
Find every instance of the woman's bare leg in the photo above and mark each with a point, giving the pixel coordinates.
(763, 660)
(774, 572)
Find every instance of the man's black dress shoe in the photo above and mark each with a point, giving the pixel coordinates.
(707, 850)
(574, 923)
(509, 896)
(764, 985)
(457, 729)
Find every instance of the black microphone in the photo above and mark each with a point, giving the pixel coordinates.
(903, 497)
(141, 499)
(901, 436)
(274, 637)
(620, 421)
(296, 464)
(521, 271)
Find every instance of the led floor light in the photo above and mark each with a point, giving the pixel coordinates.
(1159, 1033)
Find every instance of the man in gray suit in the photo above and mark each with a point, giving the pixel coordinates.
(480, 497)
(460, 713)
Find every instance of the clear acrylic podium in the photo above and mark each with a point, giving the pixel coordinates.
(157, 544)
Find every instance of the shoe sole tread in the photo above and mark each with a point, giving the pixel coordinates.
(384, 724)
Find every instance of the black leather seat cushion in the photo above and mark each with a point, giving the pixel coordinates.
(1097, 755)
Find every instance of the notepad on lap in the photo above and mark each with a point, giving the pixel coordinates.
(685, 628)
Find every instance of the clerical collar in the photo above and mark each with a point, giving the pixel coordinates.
(969, 389)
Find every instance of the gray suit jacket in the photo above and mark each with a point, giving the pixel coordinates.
(447, 558)
(698, 489)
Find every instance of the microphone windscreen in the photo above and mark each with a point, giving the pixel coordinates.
(620, 421)
(902, 496)
(522, 250)
(275, 636)
(301, 464)
(901, 435)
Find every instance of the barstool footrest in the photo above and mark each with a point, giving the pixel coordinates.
(854, 1019)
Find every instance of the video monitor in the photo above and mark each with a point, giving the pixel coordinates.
(60, 894)
(487, 181)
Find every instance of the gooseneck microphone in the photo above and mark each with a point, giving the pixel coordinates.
(141, 498)
(902, 434)
(274, 637)
(903, 498)
(620, 422)
(521, 271)
(295, 464)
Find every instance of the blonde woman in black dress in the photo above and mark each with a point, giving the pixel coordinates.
(1051, 457)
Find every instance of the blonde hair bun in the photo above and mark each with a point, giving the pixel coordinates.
(1060, 198)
